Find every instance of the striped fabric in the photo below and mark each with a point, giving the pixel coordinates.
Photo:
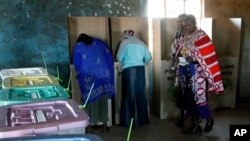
(206, 56)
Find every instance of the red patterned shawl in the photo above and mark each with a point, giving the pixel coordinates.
(206, 56)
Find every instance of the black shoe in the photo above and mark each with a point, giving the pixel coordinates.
(209, 126)
(193, 131)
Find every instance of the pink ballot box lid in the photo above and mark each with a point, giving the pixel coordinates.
(42, 117)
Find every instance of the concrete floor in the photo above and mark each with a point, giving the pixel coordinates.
(165, 130)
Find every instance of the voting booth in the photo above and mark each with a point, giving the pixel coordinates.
(140, 27)
(97, 27)
(226, 38)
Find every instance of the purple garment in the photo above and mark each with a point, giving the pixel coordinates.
(94, 65)
(204, 111)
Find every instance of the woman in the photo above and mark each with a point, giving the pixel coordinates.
(198, 74)
(133, 54)
(179, 96)
(93, 63)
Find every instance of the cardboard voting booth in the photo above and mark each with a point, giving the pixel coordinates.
(140, 27)
(226, 37)
(97, 27)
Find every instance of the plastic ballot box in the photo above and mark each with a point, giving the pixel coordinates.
(29, 81)
(32, 94)
(48, 117)
(34, 71)
(72, 137)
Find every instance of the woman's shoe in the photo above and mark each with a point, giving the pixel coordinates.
(209, 126)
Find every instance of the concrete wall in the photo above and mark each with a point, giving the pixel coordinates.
(33, 29)
(236, 9)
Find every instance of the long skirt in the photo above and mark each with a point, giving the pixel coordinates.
(134, 100)
(98, 110)
(194, 87)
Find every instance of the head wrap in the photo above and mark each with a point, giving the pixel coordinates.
(128, 33)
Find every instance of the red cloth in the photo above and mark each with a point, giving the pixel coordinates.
(205, 54)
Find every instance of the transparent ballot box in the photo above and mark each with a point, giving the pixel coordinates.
(34, 71)
(29, 81)
(31, 94)
(41, 118)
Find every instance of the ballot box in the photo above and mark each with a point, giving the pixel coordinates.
(33, 71)
(29, 81)
(32, 94)
(47, 117)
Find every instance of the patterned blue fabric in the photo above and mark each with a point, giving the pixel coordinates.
(188, 68)
(94, 64)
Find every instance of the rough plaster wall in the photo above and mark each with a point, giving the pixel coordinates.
(239, 9)
(30, 28)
